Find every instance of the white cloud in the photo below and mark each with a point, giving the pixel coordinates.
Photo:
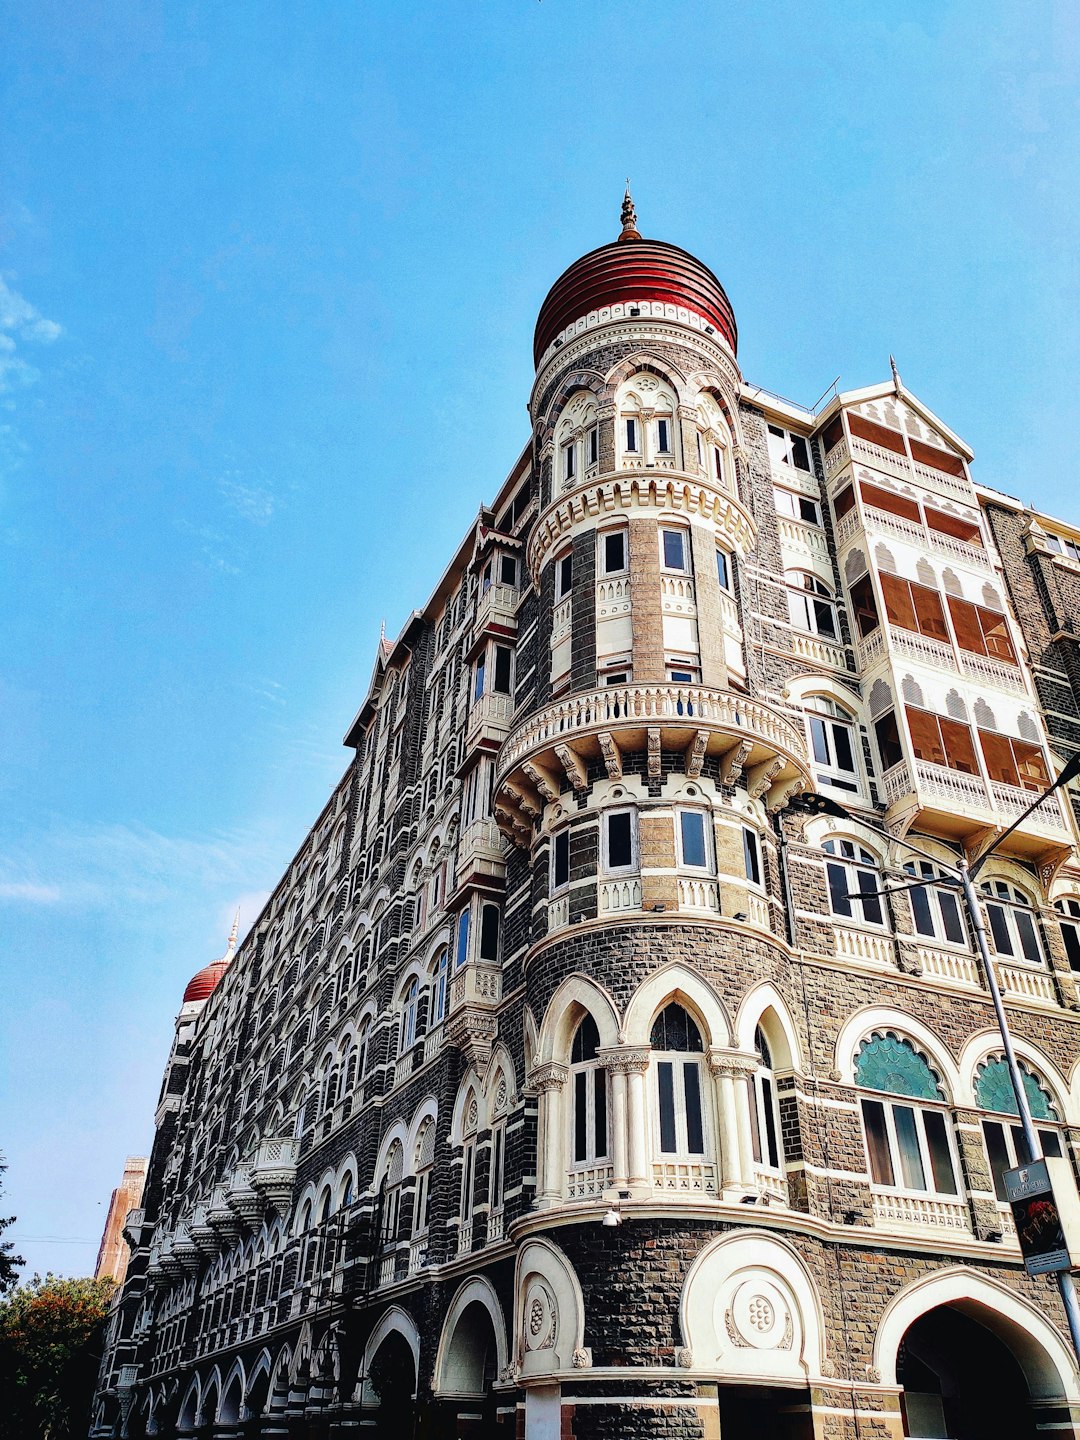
(18, 316)
(252, 502)
(28, 891)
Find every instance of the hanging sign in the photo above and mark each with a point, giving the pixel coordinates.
(1046, 1210)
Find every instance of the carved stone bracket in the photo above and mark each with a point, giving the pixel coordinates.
(574, 767)
(695, 754)
(472, 1032)
(654, 753)
(546, 781)
(760, 777)
(733, 762)
(612, 757)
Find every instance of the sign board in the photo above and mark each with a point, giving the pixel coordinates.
(1047, 1214)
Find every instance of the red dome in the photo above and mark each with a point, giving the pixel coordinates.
(203, 985)
(632, 269)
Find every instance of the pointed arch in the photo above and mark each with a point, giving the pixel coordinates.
(393, 1321)
(573, 997)
(987, 1044)
(762, 1000)
(468, 1087)
(676, 982)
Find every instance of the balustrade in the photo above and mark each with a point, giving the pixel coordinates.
(561, 619)
(495, 1226)
(860, 944)
(418, 1253)
(620, 894)
(465, 1237)
(993, 672)
(695, 894)
(1027, 983)
(584, 1184)
(821, 652)
(558, 912)
(677, 595)
(955, 966)
(771, 1185)
(802, 536)
(685, 1177)
(895, 1208)
(612, 597)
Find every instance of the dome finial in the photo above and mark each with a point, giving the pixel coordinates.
(234, 932)
(896, 381)
(629, 216)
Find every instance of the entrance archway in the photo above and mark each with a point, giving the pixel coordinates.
(469, 1368)
(392, 1378)
(952, 1337)
(960, 1381)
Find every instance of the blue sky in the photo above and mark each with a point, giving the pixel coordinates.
(269, 280)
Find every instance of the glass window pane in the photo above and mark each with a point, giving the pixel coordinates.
(489, 932)
(999, 927)
(1071, 936)
(751, 858)
(665, 1080)
(695, 1142)
(769, 1105)
(723, 572)
(581, 1116)
(599, 1113)
(838, 889)
(937, 1142)
(692, 828)
(1051, 1142)
(950, 915)
(920, 909)
(562, 857)
(998, 1154)
(871, 904)
(619, 845)
(819, 741)
(1029, 941)
(673, 549)
(615, 552)
(845, 756)
(907, 1143)
(877, 1142)
(503, 654)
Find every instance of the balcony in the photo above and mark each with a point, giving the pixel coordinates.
(481, 855)
(496, 611)
(489, 720)
(964, 805)
(274, 1170)
(892, 1207)
(890, 641)
(133, 1225)
(554, 745)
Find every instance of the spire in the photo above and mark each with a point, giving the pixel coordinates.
(896, 381)
(629, 217)
(234, 932)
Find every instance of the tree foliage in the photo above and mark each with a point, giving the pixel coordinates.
(50, 1346)
(9, 1261)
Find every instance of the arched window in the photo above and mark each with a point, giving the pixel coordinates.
(390, 1192)
(811, 605)
(765, 1113)
(588, 1084)
(423, 1160)
(438, 987)
(832, 743)
(362, 1049)
(909, 1146)
(1012, 922)
(1068, 909)
(347, 1191)
(854, 879)
(677, 1048)
(1005, 1144)
(935, 907)
(469, 1126)
(410, 1005)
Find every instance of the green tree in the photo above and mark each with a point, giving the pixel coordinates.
(50, 1346)
(9, 1261)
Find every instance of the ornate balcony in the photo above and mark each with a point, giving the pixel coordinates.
(555, 744)
(133, 1225)
(966, 806)
(221, 1217)
(475, 993)
(274, 1170)
(481, 856)
(496, 611)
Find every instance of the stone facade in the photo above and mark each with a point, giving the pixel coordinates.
(576, 1081)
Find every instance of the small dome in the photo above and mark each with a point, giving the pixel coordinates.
(633, 269)
(202, 986)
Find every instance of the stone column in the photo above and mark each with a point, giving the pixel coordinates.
(610, 1060)
(732, 1074)
(636, 1063)
(549, 1079)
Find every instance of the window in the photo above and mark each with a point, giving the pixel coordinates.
(764, 1112)
(693, 843)
(424, 1161)
(1012, 922)
(618, 838)
(592, 446)
(684, 675)
(985, 632)
(613, 552)
(677, 1047)
(1069, 912)
(501, 679)
(390, 1192)
(478, 682)
(810, 604)
(489, 932)
(1014, 762)
(663, 437)
(588, 1089)
(853, 878)
(568, 462)
(832, 743)
(564, 575)
(914, 607)
(725, 569)
(462, 940)
(751, 855)
(631, 433)
(497, 1173)
(410, 1006)
(674, 550)
(560, 860)
(797, 507)
(788, 449)
(909, 1147)
(1005, 1143)
(935, 906)
(941, 741)
(507, 570)
(438, 988)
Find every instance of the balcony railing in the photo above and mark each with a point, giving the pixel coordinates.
(496, 1225)
(858, 944)
(497, 605)
(896, 1208)
(697, 894)
(588, 1182)
(612, 597)
(958, 967)
(1027, 983)
(482, 850)
(677, 595)
(799, 535)
(558, 912)
(618, 895)
(685, 1177)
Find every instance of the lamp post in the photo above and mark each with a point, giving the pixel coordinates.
(963, 876)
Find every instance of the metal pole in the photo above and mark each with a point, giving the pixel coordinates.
(1066, 1286)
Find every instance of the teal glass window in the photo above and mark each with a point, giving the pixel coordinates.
(888, 1063)
(993, 1091)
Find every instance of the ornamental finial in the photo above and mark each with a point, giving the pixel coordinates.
(896, 381)
(629, 216)
(234, 932)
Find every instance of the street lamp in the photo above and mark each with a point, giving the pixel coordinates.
(962, 875)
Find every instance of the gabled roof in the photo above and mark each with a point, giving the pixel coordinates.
(900, 391)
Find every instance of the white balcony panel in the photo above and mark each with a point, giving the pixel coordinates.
(895, 1208)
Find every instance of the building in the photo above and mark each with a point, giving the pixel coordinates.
(575, 1081)
(113, 1252)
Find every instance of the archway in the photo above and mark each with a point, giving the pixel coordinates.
(469, 1371)
(392, 1380)
(944, 1364)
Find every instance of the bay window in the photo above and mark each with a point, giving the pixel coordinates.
(941, 741)
(914, 607)
(982, 631)
(909, 1146)
(1014, 762)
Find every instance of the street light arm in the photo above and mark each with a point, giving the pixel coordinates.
(897, 889)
